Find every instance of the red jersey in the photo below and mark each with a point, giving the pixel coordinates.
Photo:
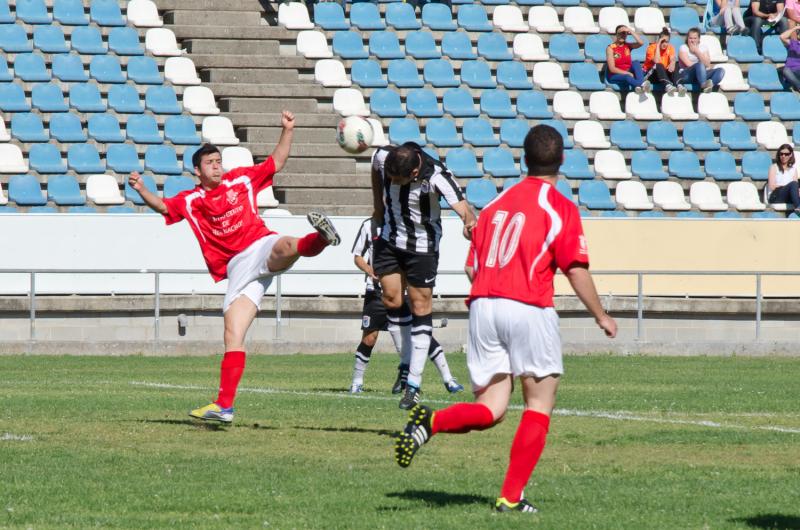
(520, 239)
(622, 56)
(225, 220)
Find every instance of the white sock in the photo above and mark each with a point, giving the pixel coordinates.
(421, 330)
(436, 354)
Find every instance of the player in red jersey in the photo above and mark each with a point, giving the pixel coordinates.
(237, 245)
(520, 240)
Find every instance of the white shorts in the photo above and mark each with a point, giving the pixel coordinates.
(509, 337)
(248, 274)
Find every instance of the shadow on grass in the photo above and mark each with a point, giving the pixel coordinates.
(343, 390)
(357, 430)
(190, 423)
(771, 521)
(440, 498)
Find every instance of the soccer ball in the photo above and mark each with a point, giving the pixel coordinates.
(354, 134)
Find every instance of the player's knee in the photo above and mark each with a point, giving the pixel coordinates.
(370, 339)
(421, 307)
(392, 302)
(283, 248)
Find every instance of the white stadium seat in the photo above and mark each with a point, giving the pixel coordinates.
(649, 20)
(509, 18)
(632, 195)
(744, 197)
(715, 53)
(678, 108)
(529, 47)
(219, 130)
(605, 106)
(579, 19)
(378, 137)
(294, 15)
(611, 17)
(235, 156)
(714, 106)
(734, 80)
(544, 19)
(199, 100)
(707, 197)
(4, 135)
(771, 135)
(349, 102)
(3, 198)
(549, 76)
(312, 44)
(144, 14)
(181, 71)
(331, 73)
(266, 198)
(103, 190)
(590, 134)
(161, 43)
(642, 106)
(611, 165)
(569, 105)
(669, 197)
(11, 160)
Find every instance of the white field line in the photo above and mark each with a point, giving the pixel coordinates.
(609, 415)
(9, 437)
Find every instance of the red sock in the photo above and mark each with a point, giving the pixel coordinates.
(311, 244)
(229, 375)
(462, 417)
(525, 452)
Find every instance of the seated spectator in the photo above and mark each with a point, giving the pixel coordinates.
(622, 70)
(765, 14)
(792, 13)
(660, 63)
(731, 16)
(696, 65)
(782, 182)
(791, 69)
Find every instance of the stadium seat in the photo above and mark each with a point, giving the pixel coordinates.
(162, 100)
(441, 132)
(234, 157)
(565, 189)
(707, 197)
(85, 97)
(49, 39)
(714, 107)
(64, 190)
(497, 104)
(14, 39)
(143, 14)
(685, 165)
(266, 198)
(133, 196)
(576, 165)
(120, 210)
(162, 159)
(103, 190)
(331, 73)
(367, 73)
(578, 19)
(480, 192)
(533, 105)
(649, 20)
(773, 49)
(403, 74)
(568, 105)
(422, 103)
(365, 16)
(472, 17)
(513, 132)
(642, 107)
(456, 45)
(564, 48)
(652, 214)
(750, 106)
(294, 15)
(744, 197)
(589, 134)
(584, 76)
(218, 130)
(349, 45)
(4, 134)
(181, 71)
(610, 164)
(742, 49)
(384, 45)
(106, 69)
(12, 98)
(25, 190)
(86, 40)
(610, 17)
(594, 194)
(755, 165)
(5, 18)
(765, 215)
(70, 13)
(562, 129)
(312, 44)
(349, 102)
(30, 67)
(735, 135)
(785, 106)
(544, 19)
(105, 128)
(647, 166)
(461, 161)
(330, 16)
(385, 102)
(682, 19)
(763, 77)
(727, 215)
(549, 76)
(632, 195)
(84, 158)
(161, 42)
(477, 74)
(143, 129)
(5, 73)
(663, 136)
(669, 197)
(402, 130)
(32, 12)
(627, 135)
(605, 106)
(458, 102)
(401, 17)
(124, 41)
(499, 162)
(678, 108)
(47, 97)
(180, 130)
(508, 19)
(720, 165)
(595, 47)
(106, 13)
(438, 17)
(529, 47)
(733, 80)
(123, 158)
(512, 75)
(124, 99)
(510, 182)
(67, 128)
(493, 47)
(378, 137)
(771, 134)
(420, 45)
(69, 68)
(635, 3)
(690, 215)
(439, 73)
(700, 136)
(11, 160)
(27, 127)
(711, 42)
(46, 158)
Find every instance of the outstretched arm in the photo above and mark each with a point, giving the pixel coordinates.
(281, 152)
(153, 201)
(581, 281)
(464, 210)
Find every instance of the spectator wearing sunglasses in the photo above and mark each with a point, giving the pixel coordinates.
(782, 180)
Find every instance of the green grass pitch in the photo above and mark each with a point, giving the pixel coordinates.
(636, 442)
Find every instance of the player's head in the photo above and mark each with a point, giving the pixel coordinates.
(403, 164)
(784, 157)
(207, 162)
(544, 151)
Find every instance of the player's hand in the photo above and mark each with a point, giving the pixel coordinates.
(468, 229)
(287, 120)
(608, 325)
(135, 181)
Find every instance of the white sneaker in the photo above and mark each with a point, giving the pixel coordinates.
(681, 90)
(708, 86)
(356, 388)
(647, 87)
(638, 90)
(671, 89)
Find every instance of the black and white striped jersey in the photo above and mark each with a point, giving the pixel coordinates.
(362, 246)
(412, 216)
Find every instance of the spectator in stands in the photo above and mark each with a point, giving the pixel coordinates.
(793, 13)
(782, 180)
(767, 13)
(661, 63)
(791, 69)
(621, 69)
(730, 15)
(696, 64)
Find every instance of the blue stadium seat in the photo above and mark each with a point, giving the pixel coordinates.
(565, 189)
(496, 103)
(25, 190)
(330, 16)
(87, 40)
(64, 190)
(796, 134)
(773, 49)
(565, 2)
(510, 182)
(652, 213)
(764, 77)
(441, 132)
(438, 17)
(365, 16)
(472, 17)
(422, 103)
(69, 68)
(120, 209)
(742, 49)
(385, 102)
(600, 3)
(181, 130)
(727, 215)
(70, 13)
(46, 158)
(30, 67)
(478, 132)
(349, 45)
(123, 158)
(613, 213)
(384, 44)
(765, 215)
(125, 41)
(83, 158)
(403, 74)
(584, 76)
(106, 13)
(82, 209)
(755, 165)
(49, 39)
(67, 128)
(5, 13)
(493, 47)
(133, 196)
(671, 3)
(564, 47)
(685, 165)
(12, 98)
(144, 71)
(105, 128)
(647, 166)
(174, 185)
(530, 2)
(143, 129)
(47, 97)
(401, 16)
(420, 45)
(480, 192)
(433, 153)
(28, 127)
(513, 132)
(663, 135)
(85, 97)
(576, 165)
(162, 159)
(162, 100)
(689, 215)
(512, 75)
(106, 69)
(682, 19)
(32, 12)
(8, 209)
(700, 136)
(561, 128)
(462, 163)
(439, 73)
(477, 74)
(595, 47)
(457, 45)
(750, 106)
(785, 105)
(402, 130)
(14, 39)
(721, 166)
(735, 135)
(124, 99)
(5, 73)
(367, 73)
(533, 105)
(594, 194)
(458, 102)
(626, 135)
(187, 158)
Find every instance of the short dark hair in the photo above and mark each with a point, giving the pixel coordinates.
(616, 30)
(665, 32)
(402, 160)
(693, 30)
(205, 149)
(544, 150)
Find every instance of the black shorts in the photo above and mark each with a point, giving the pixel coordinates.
(373, 315)
(419, 269)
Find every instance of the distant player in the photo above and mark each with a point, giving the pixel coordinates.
(406, 186)
(236, 244)
(373, 320)
(522, 237)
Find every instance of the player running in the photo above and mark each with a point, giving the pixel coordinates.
(236, 244)
(373, 320)
(521, 238)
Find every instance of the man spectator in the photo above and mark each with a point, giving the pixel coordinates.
(765, 14)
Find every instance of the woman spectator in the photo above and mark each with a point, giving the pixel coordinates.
(791, 68)
(660, 63)
(696, 64)
(622, 70)
(782, 180)
(793, 12)
(731, 16)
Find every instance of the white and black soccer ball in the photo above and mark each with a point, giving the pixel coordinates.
(354, 134)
